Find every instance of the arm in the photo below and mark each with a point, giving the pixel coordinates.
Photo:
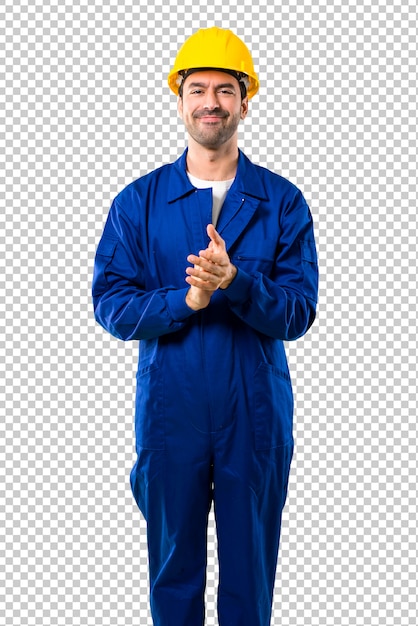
(283, 304)
(122, 304)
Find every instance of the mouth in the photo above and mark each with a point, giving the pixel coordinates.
(210, 121)
(210, 117)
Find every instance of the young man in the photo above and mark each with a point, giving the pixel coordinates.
(211, 263)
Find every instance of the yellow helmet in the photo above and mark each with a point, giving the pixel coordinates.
(218, 49)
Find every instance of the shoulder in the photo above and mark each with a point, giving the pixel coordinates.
(276, 186)
(274, 178)
(140, 187)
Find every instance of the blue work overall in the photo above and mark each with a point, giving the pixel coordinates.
(214, 404)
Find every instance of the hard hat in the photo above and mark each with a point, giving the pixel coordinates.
(214, 48)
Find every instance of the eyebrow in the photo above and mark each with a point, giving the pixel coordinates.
(220, 86)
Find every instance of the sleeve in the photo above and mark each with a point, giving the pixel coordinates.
(121, 303)
(283, 304)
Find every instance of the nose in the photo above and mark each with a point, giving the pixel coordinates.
(211, 99)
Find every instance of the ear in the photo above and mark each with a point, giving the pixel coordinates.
(244, 108)
(180, 106)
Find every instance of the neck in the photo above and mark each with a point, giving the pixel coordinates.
(219, 164)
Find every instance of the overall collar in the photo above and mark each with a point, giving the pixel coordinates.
(247, 181)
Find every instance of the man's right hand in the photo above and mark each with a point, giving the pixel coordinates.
(197, 298)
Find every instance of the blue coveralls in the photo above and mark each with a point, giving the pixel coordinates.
(214, 404)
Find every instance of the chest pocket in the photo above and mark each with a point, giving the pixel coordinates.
(253, 263)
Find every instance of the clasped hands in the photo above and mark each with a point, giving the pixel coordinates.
(211, 270)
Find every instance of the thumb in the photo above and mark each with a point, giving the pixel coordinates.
(214, 236)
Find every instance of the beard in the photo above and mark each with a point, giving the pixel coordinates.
(213, 135)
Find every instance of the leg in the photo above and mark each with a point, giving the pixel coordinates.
(173, 491)
(249, 495)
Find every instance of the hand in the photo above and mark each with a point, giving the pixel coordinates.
(197, 298)
(212, 269)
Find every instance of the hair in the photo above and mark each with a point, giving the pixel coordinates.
(240, 77)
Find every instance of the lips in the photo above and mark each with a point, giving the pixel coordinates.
(205, 115)
(210, 118)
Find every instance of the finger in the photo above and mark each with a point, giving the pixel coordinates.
(201, 284)
(209, 279)
(214, 235)
(203, 254)
(203, 263)
(192, 258)
(211, 273)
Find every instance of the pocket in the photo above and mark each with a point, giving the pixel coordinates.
(104, 255)
(310, 268)
(149, 417)
(273, 425)
(251, 264)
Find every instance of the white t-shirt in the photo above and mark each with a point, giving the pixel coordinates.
(219, 190)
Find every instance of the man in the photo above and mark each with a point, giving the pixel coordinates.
(210, 262)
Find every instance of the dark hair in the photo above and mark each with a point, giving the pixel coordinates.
(238, 75)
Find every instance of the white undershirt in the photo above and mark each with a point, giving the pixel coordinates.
(219, 190)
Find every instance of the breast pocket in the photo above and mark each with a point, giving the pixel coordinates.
(273, 410)
(251, 264)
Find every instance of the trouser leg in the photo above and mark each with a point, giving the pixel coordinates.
(174, 494)
(249, 495)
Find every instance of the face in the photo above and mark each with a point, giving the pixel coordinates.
(211, 107)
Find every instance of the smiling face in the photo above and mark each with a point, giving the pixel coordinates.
(211, 108)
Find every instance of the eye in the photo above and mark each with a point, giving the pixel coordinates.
(226, 92)
(196, 92)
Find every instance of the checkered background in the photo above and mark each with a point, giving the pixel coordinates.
(85, 109)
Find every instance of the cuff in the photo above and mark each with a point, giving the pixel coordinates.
(240, 288)
(176, 304)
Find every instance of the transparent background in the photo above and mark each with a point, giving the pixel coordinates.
(85, 109)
